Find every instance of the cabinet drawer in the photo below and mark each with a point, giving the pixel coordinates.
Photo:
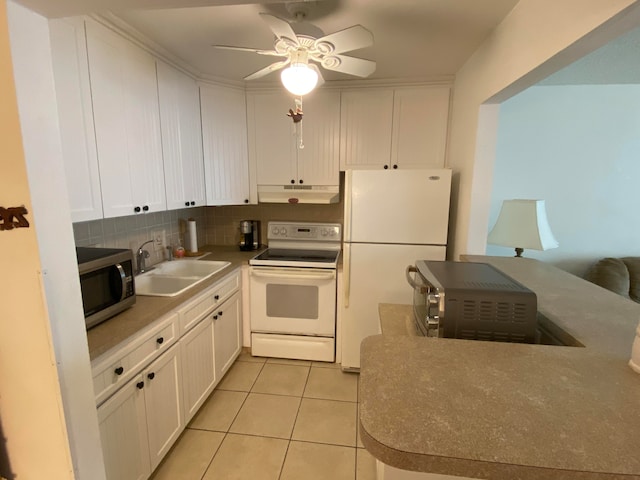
(205, 303)
(112, 371)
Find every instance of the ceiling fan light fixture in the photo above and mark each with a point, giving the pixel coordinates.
(299, 79)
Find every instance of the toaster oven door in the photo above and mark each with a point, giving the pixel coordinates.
(425, 303)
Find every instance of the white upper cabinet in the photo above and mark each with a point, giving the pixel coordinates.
(127, 123)
(403, 127)
(77, 134)
(224, 139)
(181, 138)
(275, 140)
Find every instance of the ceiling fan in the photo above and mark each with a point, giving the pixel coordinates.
(297, 51)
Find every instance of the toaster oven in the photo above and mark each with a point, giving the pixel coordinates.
(473, 301)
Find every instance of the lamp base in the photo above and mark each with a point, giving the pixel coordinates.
(519, 252)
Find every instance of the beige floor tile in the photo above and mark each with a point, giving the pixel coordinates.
(332, 384)
(247, 357)
(281, 379)
(325, 365)
(218, 411)
(314, 461)
(288, 361)
(326, 421)
(240, 377)
(267, 415)
(190, 456)
(243, 457)
(365, 465)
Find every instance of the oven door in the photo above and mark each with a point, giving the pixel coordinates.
(297, 301)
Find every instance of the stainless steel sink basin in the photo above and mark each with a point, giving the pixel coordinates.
(169, 279)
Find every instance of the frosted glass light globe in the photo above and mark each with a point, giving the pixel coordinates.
(299, 79)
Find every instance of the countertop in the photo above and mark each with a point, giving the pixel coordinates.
(509, 411)
(147, 310)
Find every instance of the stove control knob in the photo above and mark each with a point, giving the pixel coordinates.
(324, 232)
(283, 231)
(275, 230)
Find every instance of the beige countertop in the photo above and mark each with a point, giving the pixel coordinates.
(147, 310)
(509, 411)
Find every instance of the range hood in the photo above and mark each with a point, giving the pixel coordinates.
(322, 194)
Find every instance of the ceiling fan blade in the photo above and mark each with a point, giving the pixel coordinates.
(253, 50)
(267, 70)
(349, 65)
(352, 38)
(281, 28)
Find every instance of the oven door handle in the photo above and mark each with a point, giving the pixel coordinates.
(294, 275)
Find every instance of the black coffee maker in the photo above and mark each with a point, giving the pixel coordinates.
(249, 235)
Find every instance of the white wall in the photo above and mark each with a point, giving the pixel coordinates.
(576, 147)
(537, 38)
(31, 51)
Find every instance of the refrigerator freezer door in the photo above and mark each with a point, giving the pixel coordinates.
(398, 206)
(375, 273)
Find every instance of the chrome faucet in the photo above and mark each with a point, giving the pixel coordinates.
(141, 256)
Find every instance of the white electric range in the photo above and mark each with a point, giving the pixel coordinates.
(293, 292)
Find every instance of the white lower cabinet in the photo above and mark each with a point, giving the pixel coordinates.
(227, 326)
(141, 420)
(198, 366)
(123, 432)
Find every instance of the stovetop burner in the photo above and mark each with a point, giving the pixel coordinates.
(314, 245)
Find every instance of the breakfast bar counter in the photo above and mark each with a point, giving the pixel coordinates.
(503, 410)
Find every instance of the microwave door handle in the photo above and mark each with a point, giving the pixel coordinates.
(123, 284)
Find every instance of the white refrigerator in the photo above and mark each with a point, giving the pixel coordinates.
(391, 219)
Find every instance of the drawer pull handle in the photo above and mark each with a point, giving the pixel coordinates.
(119, 371)
(160, 340)
(215, 317)
(216, 297)
(219, 314)
(151, 376)
(140, 385)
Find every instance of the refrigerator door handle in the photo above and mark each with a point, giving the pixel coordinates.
(346, 229)
(346, 264)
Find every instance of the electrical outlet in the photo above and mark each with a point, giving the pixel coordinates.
(158, 240)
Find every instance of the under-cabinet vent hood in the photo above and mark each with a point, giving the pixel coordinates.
(298, 194)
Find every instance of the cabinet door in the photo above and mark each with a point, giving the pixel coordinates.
(123, 432)
(163, 401)
(227, 322)
(319, 160)
(420, 118)
(75, 114)
(198, 366)
(181, 138)
(224, 138)
(272, 137)
(365, 128)
(127, 122)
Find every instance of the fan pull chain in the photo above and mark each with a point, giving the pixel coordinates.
(299, 109)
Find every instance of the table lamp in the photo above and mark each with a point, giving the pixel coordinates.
(522, 224)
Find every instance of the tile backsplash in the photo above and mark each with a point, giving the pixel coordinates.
(132, 231)
(215, 225)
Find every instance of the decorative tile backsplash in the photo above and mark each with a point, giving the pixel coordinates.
(132, 231)
(215, 225)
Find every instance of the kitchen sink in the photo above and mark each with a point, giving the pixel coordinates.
(169, 279)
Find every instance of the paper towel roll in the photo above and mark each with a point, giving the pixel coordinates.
(192, 236)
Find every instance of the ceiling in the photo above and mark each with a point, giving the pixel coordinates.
(414, 39)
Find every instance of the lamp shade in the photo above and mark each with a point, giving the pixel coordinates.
(299, 79)
(523, 224)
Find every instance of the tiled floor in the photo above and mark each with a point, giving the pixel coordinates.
(272, 419)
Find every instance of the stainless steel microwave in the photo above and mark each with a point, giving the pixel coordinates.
(107, 283)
